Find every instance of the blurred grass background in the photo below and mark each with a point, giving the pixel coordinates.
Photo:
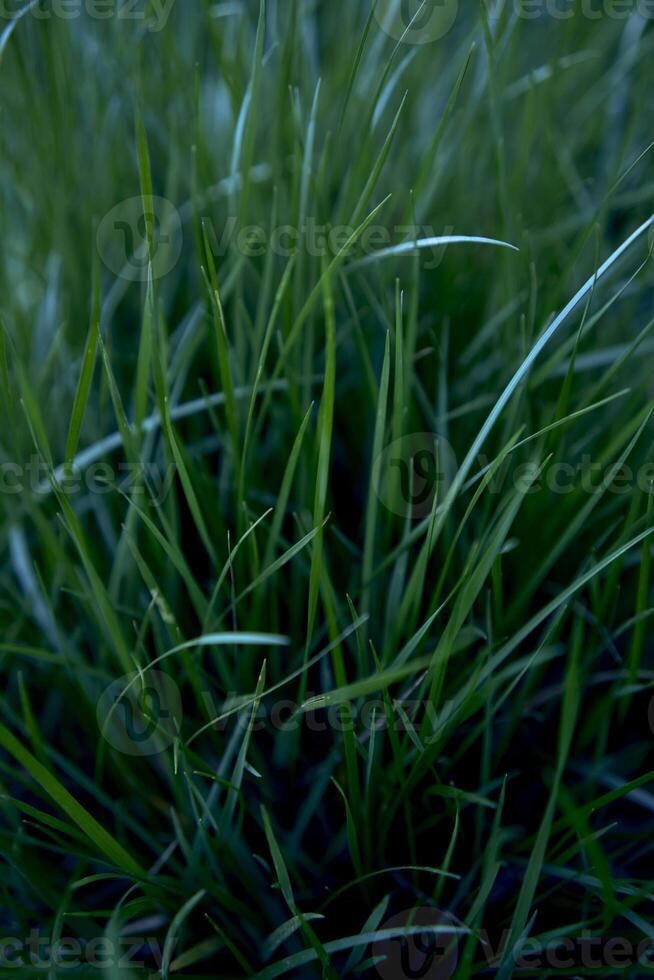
(520, 618)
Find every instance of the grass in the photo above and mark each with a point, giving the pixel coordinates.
(325, 366)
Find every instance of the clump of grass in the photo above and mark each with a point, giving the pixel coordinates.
(325, 366)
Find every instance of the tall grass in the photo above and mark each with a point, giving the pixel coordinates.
(325, 366)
